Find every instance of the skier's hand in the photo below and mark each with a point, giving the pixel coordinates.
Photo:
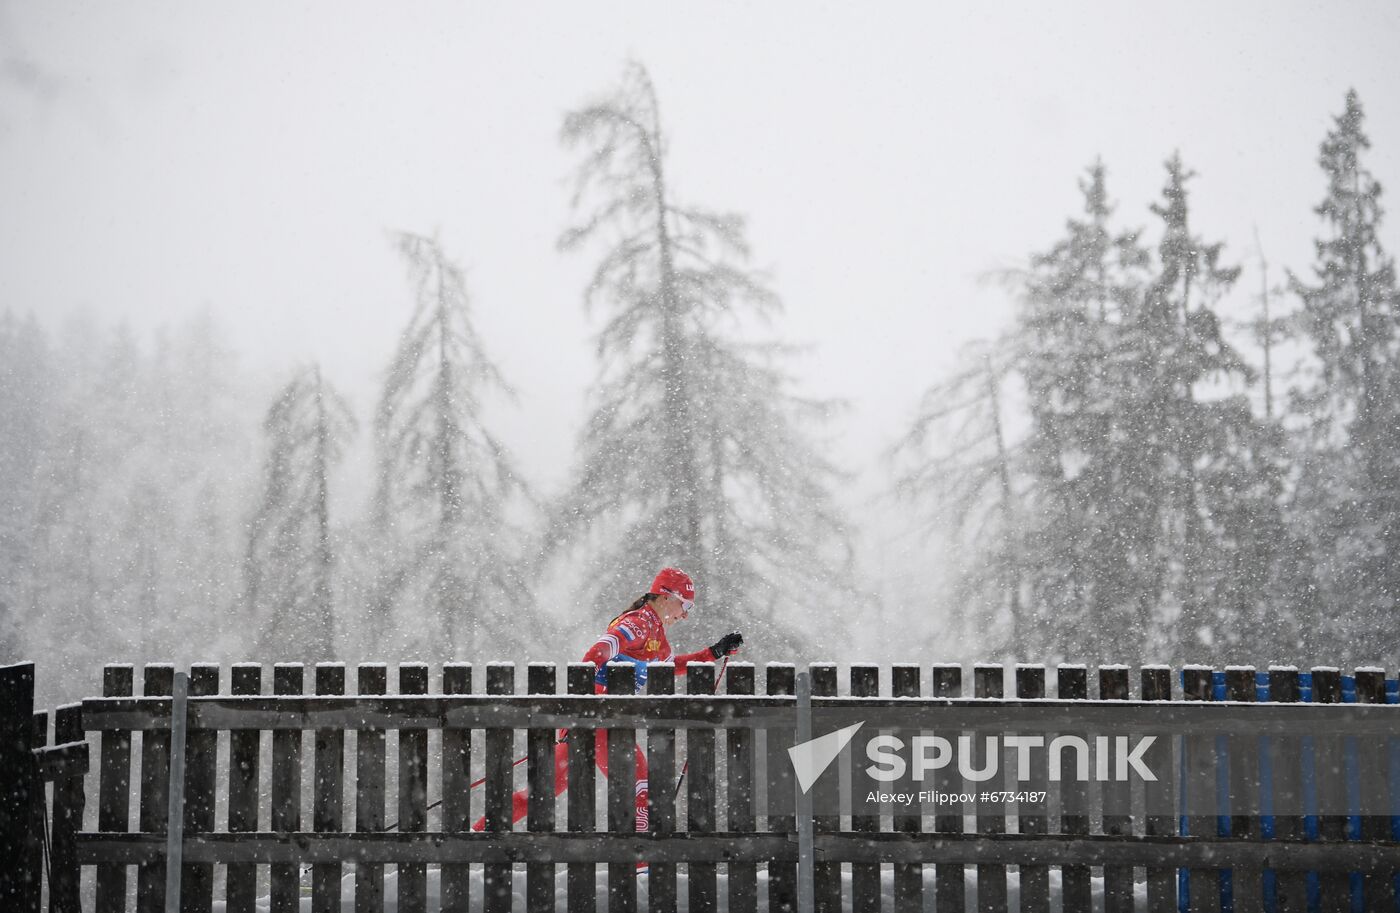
(728, 645)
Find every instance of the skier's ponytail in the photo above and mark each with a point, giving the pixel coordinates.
(644, 599)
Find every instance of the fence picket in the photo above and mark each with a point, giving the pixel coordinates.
(370, 678)
(328, 793)
(582, 812)
(287, 678)
(1203, 884)
(622, 793)
(540, 747)
(413, 793)
(908, 877)
(865, 877)
(1334, 885)
(988, 682)
(780, 679)
(201, 755)
(739, 761)
(949, 878)
(69, 800)
(1378, 887)
(1035, 879)
(114, 791)
(158, 681)
(1286, 756)
(700, 792)
(32, 900)
(245, 749)
(1072, 684)
(661, 768)
(1246, 883)
(456, 792)
(1161, 881)
(1117, 811)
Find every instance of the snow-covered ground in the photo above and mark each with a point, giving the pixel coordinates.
(561, 885)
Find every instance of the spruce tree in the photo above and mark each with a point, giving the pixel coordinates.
(1349, 494)
(696, 452)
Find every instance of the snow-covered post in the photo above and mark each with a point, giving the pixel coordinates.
(114, 789)
(988, 681)
(175, 831)
(1161, 881)
(1035, 879)
(949, 887)
(245, 755)
(1117, 803)
(908, 878)
(1072, 684)
(805, 885)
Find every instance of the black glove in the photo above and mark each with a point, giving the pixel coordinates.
(728, 645)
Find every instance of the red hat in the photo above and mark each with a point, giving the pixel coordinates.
(675, 582)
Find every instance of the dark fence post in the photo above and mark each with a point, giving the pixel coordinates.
(1331, 792)
(1200, 785)
(700, 790)
(68, 804)
(908, 878)
(988, 681)
(1035, 879)
(158, 681)
(949, 884)
(739, 749)
(622, 793)
(1286, 754)
(19, 788)
(540, 747)
(865, 877)
(826, 876)
(661, 768)
(500, 745)
(34, 856)
(370, 679)
(1159, 794)
(1246, 883)
(456, 792)
(197, 878)
(582, 876)
(328, 792)
(245, 761)
(413, 793)
(780, 680)
(1072, 684)
(1374, 761)
(114, 792)
(287, 679)
(1117, 809)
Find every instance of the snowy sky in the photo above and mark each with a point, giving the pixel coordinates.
(248, 158)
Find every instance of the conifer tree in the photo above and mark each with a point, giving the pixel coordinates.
(444, 536)
(696, 452)
(289, 564)
(1349, 493)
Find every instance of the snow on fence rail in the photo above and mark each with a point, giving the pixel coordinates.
(247, 763)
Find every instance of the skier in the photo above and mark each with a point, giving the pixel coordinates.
(637, 636)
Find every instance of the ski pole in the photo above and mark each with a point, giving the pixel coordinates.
(719, 680)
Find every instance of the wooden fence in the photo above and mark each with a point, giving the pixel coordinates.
(243, 765)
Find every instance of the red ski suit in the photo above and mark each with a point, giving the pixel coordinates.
(636, 636)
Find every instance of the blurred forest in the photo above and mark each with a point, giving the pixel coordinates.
(1123, 473)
